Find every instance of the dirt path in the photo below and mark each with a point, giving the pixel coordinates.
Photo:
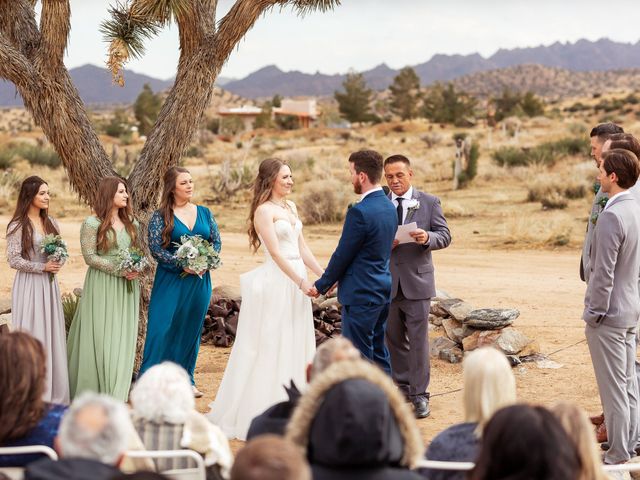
(543, 285)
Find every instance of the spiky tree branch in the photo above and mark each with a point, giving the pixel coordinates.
(18, 25)
(54, 28)
(14, 66)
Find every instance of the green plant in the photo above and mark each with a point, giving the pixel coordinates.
(354, 103)
(6, 158)
(404, 94)
(69, 307)
(510, 157)
(146, 109)
(36, 155)
(444, 104)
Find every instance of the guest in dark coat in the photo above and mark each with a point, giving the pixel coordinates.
(25, 419)
(354, 424)
(489, 385)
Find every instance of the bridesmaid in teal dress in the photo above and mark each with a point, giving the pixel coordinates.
(102, 339)
(178, 305)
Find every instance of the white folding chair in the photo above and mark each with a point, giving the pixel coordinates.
(438, 465)
(197, 473)
(17, 473)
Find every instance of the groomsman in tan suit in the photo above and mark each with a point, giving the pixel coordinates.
(612, 303)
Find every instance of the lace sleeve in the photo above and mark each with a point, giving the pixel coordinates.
(162, 255)
(214, 237)
(14, 254)
(88, 244)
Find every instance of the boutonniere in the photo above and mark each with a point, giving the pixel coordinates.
(412, 205)
(601, 203)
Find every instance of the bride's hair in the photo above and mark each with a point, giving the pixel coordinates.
(262, 187)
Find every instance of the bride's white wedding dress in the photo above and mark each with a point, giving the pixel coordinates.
(274, 342)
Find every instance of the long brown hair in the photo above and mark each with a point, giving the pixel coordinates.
(262, 188)
(28, 191)
(167, 201)
(22, 383)
(107, 190)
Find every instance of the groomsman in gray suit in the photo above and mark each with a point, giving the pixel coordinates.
(612, 303)
(413, 283)
(599, 135)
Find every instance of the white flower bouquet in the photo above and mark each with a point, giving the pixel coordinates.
(55, 248)
(197, 254)
(132, 260)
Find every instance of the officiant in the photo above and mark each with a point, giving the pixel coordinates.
(413, 284)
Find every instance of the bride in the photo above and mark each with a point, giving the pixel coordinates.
(275, 339)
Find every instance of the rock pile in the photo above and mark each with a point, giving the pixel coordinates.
(466, 328)
(221, 321)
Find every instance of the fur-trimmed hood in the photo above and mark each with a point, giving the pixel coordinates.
(353, 416)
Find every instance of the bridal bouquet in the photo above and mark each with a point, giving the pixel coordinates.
(197, 254)
(132, 260)
(55, 248)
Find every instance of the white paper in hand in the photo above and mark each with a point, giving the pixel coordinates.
(402, 235)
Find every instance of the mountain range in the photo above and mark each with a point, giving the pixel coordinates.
(95, 86)
(581, 56)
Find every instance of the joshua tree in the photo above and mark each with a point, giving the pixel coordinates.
(31, 57)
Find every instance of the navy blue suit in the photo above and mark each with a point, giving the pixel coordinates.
(360, 265)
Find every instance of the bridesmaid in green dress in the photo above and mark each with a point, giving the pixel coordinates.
(102, 338)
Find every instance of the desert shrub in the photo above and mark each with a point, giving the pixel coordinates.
(231, 179)
(36, 155)
(547, 153)
(193, 151)
(470, 172)
(431, 139)
(546, 191)
(510, 157)
(554, 201)
(7, 157)
(320, 203)
(213, 125)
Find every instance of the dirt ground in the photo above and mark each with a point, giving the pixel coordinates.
(543, 285)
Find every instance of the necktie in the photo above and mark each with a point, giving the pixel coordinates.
(399, 209)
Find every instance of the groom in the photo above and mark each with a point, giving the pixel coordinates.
(361, 261)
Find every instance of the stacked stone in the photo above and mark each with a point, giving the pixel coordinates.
(465, 328)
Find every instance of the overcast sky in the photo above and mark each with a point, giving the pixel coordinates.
(361, 34)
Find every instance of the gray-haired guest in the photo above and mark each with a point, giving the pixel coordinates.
(91, 442)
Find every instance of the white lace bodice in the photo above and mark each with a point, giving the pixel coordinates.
(287, 239)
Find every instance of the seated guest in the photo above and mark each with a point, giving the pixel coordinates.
(91, 441)
(25, 419)
(489, 385)
(270, 457)
(275, 418)
(525, 443)
(353, 423)
(577, 425)
(165, 417)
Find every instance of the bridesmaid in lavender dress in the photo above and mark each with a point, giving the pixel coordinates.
(36, 306)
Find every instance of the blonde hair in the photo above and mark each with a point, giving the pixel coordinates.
(579, 429)
(489, 385)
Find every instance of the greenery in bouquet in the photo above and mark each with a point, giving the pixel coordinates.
(197, 254)
(132, 259)
(55, 248)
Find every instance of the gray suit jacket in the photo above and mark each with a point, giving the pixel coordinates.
(612, 296)
(588, 239)
(411, 264)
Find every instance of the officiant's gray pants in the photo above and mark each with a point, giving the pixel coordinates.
(408, 344)
(613, 354)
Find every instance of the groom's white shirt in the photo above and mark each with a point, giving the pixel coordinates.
(370, 191)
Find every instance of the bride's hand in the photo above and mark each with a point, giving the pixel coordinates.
(306, 286)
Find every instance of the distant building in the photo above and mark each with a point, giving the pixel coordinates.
(305, 110)
(247, 113)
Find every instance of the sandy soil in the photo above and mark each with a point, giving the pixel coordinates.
(543, 285)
